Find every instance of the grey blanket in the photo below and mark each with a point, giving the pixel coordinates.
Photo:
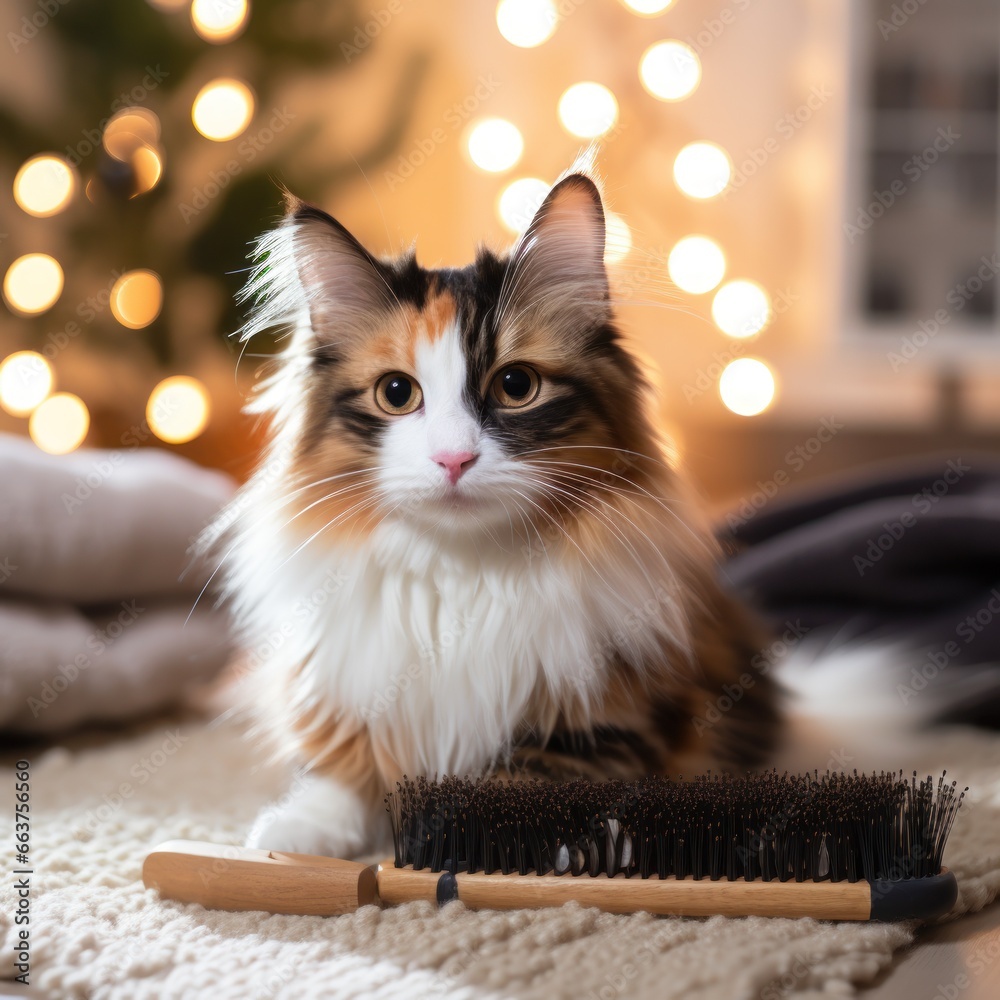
(904, 553)
(96, 584)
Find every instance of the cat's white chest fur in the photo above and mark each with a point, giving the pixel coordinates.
(440, 654)
(440, 663)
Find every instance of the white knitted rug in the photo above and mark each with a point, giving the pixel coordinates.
(97, 933)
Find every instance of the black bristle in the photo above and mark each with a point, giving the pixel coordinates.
(832, 826)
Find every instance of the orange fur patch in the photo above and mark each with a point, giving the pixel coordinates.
(344, 505)
(346, 752)
(439, 313)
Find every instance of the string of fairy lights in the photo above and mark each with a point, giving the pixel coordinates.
(669, 71)
(178, 408)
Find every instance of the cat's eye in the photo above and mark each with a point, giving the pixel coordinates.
(515, 385)
(397, 393)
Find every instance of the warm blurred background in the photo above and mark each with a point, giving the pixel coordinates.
(804, 227)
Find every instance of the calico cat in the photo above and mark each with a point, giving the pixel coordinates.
(464, 550)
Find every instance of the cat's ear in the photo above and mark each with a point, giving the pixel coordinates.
(345, 286)
(557, 267)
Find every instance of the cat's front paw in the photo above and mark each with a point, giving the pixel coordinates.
(319, 817)
(291, 834)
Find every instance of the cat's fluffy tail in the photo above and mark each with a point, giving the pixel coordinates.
(869, 705)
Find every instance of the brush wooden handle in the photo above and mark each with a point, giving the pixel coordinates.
(680, 897)
(922, 898)
(240, 878)
(243, 878)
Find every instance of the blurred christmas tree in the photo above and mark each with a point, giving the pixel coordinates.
(148, 155)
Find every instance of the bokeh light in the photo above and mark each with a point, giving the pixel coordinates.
(44, 185)
(147, 165)
(60, 424)
(618, 240)
(136, 299)
(222, 109)
(527, 23)
(33, 283)
(133, 136)
(178, 409)
(588, 110)
(129, 130)
(747, 386)
(702, 170)
(26, 378)
(670, 70)
(741, 308)
(519, 201)
(495, 144)
(647, 7)
(219, 21)
(696, 264)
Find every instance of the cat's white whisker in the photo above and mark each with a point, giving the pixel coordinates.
(605, 517)
(329, 524)
(640, 491)
(344, 491)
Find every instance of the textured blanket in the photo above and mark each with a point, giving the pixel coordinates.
(97, 933)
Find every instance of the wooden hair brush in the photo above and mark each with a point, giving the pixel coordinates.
(833, 846)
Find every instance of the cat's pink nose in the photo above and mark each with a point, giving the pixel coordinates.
(454, 463)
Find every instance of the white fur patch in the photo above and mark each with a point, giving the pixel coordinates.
(438, 642)
(319, 816)
(407, 471)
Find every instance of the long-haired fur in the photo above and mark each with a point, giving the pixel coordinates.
(553, 610)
